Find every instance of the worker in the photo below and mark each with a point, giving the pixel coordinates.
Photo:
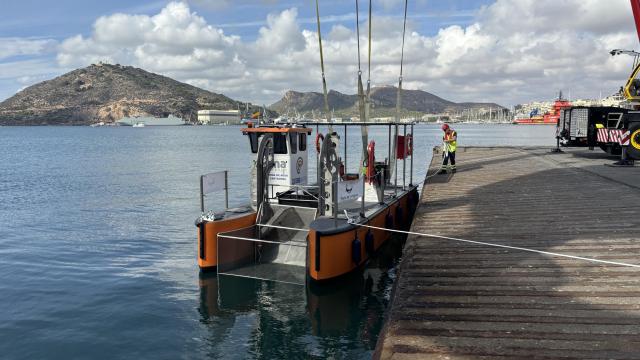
(450, 144)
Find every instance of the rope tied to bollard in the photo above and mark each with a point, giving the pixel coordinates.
(354, 221)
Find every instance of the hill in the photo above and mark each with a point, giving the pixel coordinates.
(383, 99)
(105, 92)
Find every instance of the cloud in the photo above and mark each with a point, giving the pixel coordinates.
(10, 47)
(27, 71)
(513, 51)
(16, 75)
(176, 39)
(282, 33)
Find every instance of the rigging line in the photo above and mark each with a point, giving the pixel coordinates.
(404, 29)
(324, 81)
(366, 114)
(358, 33)
(369, 68)
(353, 222)
(361, 94)
(393, 158)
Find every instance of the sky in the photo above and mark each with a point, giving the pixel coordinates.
(502, 51)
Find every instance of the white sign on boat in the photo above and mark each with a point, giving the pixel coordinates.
(213, 182)
(350, 190)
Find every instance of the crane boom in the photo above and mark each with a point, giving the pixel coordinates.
(631, 90)
(635, 6)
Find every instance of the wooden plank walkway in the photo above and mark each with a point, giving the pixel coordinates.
(461, 301)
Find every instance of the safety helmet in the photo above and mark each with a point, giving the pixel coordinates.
(445, 127)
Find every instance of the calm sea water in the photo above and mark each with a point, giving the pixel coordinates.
(98, 252)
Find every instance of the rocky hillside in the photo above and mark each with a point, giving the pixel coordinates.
(107, 93)
(384, 102)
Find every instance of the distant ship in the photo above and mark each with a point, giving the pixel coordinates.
(549, 118)
(151, 121)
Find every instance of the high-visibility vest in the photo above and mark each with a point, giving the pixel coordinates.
(453, 145)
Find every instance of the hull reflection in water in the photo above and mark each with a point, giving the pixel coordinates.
(277, 320)
(358, 301)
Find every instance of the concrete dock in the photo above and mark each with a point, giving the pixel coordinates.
(455, 300)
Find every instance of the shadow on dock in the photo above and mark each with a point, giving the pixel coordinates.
(456, 300)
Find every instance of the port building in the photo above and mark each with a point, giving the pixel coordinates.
(219, 117)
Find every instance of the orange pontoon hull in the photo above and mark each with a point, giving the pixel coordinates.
(211, 230)
(330, 253)
(330, 247)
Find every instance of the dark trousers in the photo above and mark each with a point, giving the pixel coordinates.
(449, 155)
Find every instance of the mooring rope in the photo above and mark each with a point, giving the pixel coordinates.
(290, 242)
(353, 221)
(444, 149)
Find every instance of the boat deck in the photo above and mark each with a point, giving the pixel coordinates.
(463, 301)
(276, 250)
(371, 208)
(371, 205)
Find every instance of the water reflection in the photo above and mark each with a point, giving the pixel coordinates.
(275, 320)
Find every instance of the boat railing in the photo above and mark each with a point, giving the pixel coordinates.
(397, 175)
(300, 190)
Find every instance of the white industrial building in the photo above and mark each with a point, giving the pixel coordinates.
(216, 117)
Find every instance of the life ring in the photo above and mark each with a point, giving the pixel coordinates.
(371, 161)
(319, 137)
(409, 146)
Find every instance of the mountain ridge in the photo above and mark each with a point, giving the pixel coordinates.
(383, 101)
(106, 92)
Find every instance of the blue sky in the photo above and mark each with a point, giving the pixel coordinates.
(63, 18)
(506, 51)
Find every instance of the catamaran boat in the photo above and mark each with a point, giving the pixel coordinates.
(298, 232)
(293, 231)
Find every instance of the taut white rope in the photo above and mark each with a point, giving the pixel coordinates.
(352, 221)
(281, 227)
